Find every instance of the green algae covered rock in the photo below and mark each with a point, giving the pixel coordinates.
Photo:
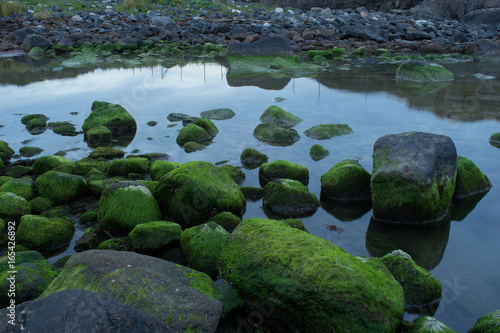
(274, 134)
(26, 119)
(123, 167)
(470, 179)
(235, 173)
(40, 205)
(90, 239)
(192, 133)
(423, 71)
(49, 162)
(98, 134)
(191, 147)
(124, 205)
(318, 152)
(112, 116)
(290, 198)
(44, 234)
(207, 125)
(346, 181)
(34, 274)
(160, 168)
(420, 287)
(413, 177)
(280, 169)
(23, 187)
(252, 157)
(107, 153)
(115, 244)
(494, 140)
(61, 187)
(154, 235)
(202, 245)
(231, 298)
(27, 151)
(5, 151)
(2, 167)
(18, 171)
(218, 114)
(327, 131)
(252, 193)
(315, 54)
(489, 323)
(12, 206)
(428, 324)
(88, 217)
(311, 279)
(279, 117)
(227, 220)
(196, 191)
(150, 284)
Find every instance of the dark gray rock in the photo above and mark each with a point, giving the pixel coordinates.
(75, 310)
(483, 16)
(162, 21)
(17, 37)
(264, 47)
(34, 40)
(489, 48)
(365, 32)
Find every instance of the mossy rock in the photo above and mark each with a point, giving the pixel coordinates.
(318, 152)
(98, 186)
(18, 171)
(227, 294)
(35, 124)
(489, 323)
(87, 164)
(61, 187)
(227, 220)
(360, 52)
(150, 184)
(161, 168)
(426, 324)
(27, 151)
(252, 193)
(196, 191)
(155, 235)
(67, 168)
(312, 279)
(280, 169)
(90, 239)
(44, 234)
(23, 187)
(60, 212)
(289, 198)
(124, 205)
(95, 174)
(2, 166)
(327, 131)
(88, 218)
(5, 179)
(39, 205)
(207, 125)
(218, 114)
(49, 162)
(279, 117)
(420, 287)
(295, 223)
(494, 140)
(470, 179)
(192, 133)
(115, 244)
(123, 167)
(26, 119)
(338, 52)
(274, 134)
(175, 116)
(202, 246)
(346, 181)
(235, 173)
(325, 54)
(98, 134)
(253, 157)
(64, 129)
(12, 206)
(191, 147)
(107, 153)
(34, 274)
(423, 71)
(5, 151)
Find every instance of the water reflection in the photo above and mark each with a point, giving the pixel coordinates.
(346, 211)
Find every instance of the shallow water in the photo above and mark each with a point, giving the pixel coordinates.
(462, 252)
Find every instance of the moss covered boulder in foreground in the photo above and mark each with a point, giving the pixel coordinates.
(43, 233)
(61, 187)
(289, 198)
(280, 169)
(23, 187)
(12, 206)
(346, 181)
(423, 71)
(279, 117)
(161, 168)
(413, 177)
(155, 286)
(124, 205)
(489, 323)
(327, 131)
(274, 134)
(227, 220)
(49, 162)
(470, 179)
(202, 245)
(308, 283)
(154, 235)
(196, 191)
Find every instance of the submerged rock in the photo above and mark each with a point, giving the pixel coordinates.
(218, 114)
(281, 169)
(327, 131)
(489, 323)
(470, 179)
(252, 157)
(107, 153)
(346, 181)
(279, 117)
(191, 147)
(423, 71)
(289, 198)
(274, 134)
(413, 177)
(44, 234)
(318, 152)
(27, 151)
(495, 140)
(312, 279)
(180, 297)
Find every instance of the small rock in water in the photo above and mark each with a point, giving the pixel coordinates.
(482, 76)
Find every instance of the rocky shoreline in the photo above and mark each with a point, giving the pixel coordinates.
(399, 31)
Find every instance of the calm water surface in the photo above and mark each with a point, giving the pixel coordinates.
(463, 252)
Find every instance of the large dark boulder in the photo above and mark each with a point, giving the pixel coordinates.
(264, 47)
(75, 310)
(483, 16)
(18, 36)
(414, 176)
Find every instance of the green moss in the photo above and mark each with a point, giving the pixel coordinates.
(227, 220)
(192, 133)
(40, 204)
(115, 244)
(44, 234)
(346, 181)
(160, 168)
(29, 151)
(66, 168)
(318, 152)
(86, 165)
(277, 116)
(218, 114)
(122, 167)
(253, 157)
(280, 169)
(311, 54)
(5, 179)
(112, 116)
(207, 125)
(290, 198)
(338, 52)
(98, 134)
(24, 187)
(495, 139)
(5, 151)
(426, 324)
(235, 173)
(423, 71)
(489, 323)
(154, 235)
(58, 212)
(360, 52)
(88, 217)
(252, 193)
(47, 163)
(276, 135)
(61, 187)
(26, 119)
(327, 131)
(191, 147)
(107, 153)
(470, 179)
(12, 206)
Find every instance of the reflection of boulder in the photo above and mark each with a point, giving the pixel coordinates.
(460, 208)
(267, 81)
(346, 211)
(414, 88)
(425, 243)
